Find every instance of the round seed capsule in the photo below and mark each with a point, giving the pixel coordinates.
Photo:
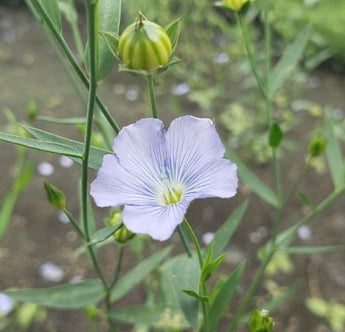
(144, 45)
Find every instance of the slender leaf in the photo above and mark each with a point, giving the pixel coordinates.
(10, 198)
(179, 273)
(253, 181)
(111, 40)
(225, 232)
(288, 61)
(138, 274)
(222, 299)
(67, 296)
(334, 156)
(196, 295)
(173, 30)
(41, 145)
(156, 315)
(52, 9)
(109, 15)
(96, 154)
(67, 121)
(313, 250)
(104, 233)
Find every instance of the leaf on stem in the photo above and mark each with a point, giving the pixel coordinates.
(253, 181)
(173, 30)
(67, 296)
(52, 9)
(221, 301)
(288, 61)
(275, 135)
(104, 233)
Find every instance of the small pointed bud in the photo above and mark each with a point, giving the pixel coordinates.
(144, 46)
(260, 321)
(122, 235)
(55, 196)
(317, 145)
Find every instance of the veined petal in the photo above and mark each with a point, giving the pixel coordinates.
(115, 185)
(141, 149)
(192, 143)
(215, 179)
(157, 221)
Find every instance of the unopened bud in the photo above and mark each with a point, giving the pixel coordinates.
(235, 5)
(317, 145)
(55, 196)
(144, 46)
(123, 234)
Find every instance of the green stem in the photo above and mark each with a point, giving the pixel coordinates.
(74, 63)
(250, 56)
(151, 87)
(267, 61)
(202, 286)
(184, 241)
(74, 223)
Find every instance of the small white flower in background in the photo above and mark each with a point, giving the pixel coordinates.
(51, 272)
(207, 238)
(132, 93)
(6, 304)
(221, 58)
(180, 89)
(45, 168)
(304, 233)
(62, 217)
(66, 162)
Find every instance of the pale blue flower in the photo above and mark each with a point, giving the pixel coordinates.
(156, 173)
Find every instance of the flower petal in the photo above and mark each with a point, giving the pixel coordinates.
(115, 186)
(132, 176)
(196, 157)
(141, 148)
(157, 221)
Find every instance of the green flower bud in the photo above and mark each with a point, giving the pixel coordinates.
(145, 46)
(317, 145)
(55, 196)
(235, 5)
(122, 235)
(260, 321)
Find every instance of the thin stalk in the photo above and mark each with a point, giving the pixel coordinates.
(74, 223)
(250, 56)
(291, 192)
(267, 61)
(73, 61)
(151, 87)
(77, 40)
(202, 287)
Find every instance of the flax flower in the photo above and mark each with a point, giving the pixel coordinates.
(155, 173)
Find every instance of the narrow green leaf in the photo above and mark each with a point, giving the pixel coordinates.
(109, 15)
(275, 135)
(67, 121)
(156, 315)
(67, 296)
(138, 274)
(253, 181)
(104, 233)
(41, 145)
(288, 61)
(52, 9)
(212, 267)
(111, 40)
(96, 154)
(196, 295)
(225, 232)
(334, 156)
(222, 299)
(173, 30)
(179, 273)
(10, 198)
(312, 250)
